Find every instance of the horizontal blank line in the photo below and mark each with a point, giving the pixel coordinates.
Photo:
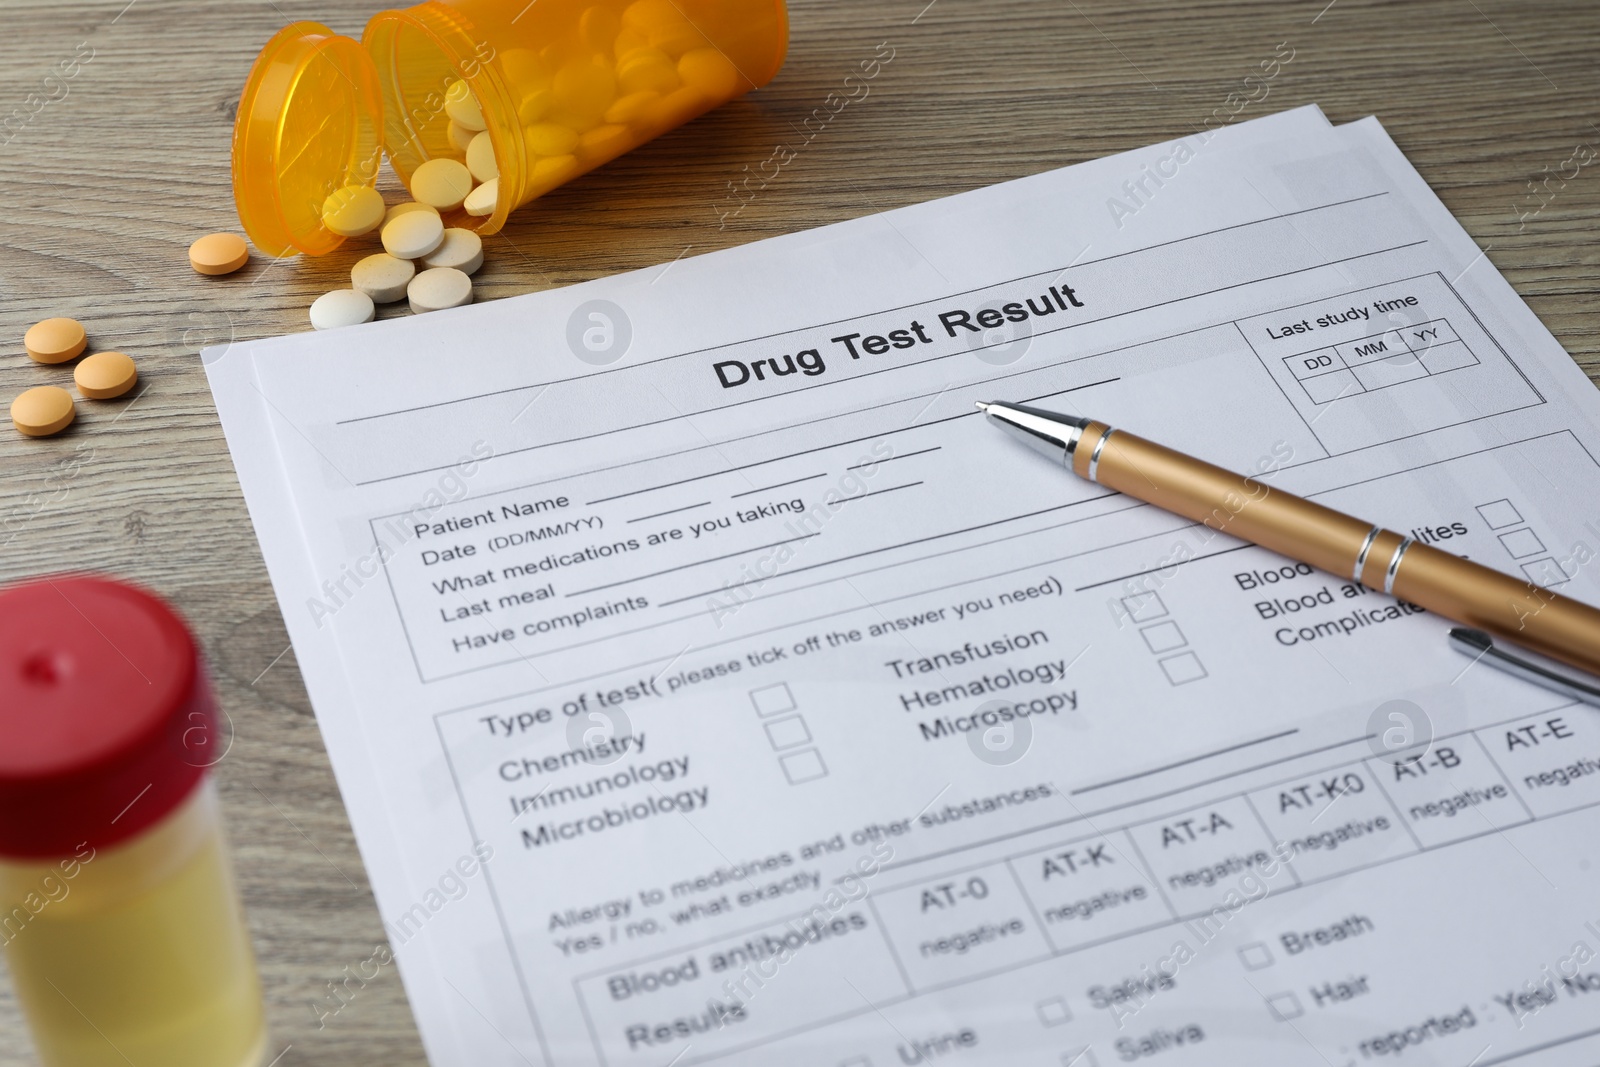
(673, 511)
(891, 459)
(1184, 762)
(780, 485)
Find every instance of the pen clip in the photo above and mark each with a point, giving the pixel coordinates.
(1480, 646)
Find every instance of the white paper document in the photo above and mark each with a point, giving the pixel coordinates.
(708, 683)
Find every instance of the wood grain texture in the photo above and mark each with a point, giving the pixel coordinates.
(102, 191)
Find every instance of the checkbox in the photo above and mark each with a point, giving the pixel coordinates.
(772, 699)
(1285, 1006)
(1255, 956)
(803, 766)
(1053, 1011)
(1079, 1057)
(1143, 607)
(1522, 543)
(1183, 669)
(1499, 514)
(1546, 572)
(788, 732)
(1163, 637)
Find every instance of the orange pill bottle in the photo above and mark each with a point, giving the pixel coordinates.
(559, 86)
(118, 914)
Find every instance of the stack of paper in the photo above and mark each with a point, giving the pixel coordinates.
(708, 684)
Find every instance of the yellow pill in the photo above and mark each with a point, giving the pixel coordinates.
(523, 68)
(405, 209)
(462, 107)
(481, 201)
(709, 71)
(631, 107)
(550, 139)
(604, 142)
(627, 40)
(647, 68)
(677, 39)
(551, 172)
(598, 27)
(460, 136)
(535, 105)
(42, 411)
(105, 375)
(55, 340)
(441, 184)
(677, 107)
(480, 158)
(646, 15)
(354, 211)
(584, 89)
(219, 253)
(413, 235)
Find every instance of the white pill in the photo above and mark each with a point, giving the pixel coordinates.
(462, 107)
(460, 136)
(460, 250)
(342, 307)
(413, 235)
(439, 288)
(441, 183)
(383, 277)
(482, 199)
(480, 158)
(405, 209)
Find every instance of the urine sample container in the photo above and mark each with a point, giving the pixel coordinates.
(118, 913)
(559, 86)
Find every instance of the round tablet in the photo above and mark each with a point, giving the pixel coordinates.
(42, 411)
(219, 253)
(384, 277)
(55, 340)
(353, 211)
(482, 199)
(460, 136)
(105, 375)
(708, 70)
(406, 208)
(342, 307)
(439, 288)
(413, 235)
(461, 250)
(441, 183)
(480, 158)
(462, 107)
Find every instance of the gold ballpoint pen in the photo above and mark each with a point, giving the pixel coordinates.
(1489, 602)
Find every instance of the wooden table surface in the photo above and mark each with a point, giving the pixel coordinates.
(103, 188)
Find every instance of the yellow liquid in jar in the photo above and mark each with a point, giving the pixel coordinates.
(144, 959)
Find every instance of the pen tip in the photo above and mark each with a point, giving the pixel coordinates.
(983, 405)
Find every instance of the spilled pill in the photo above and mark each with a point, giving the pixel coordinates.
(219, 253)
(460, 249)
(413, 235)
(342, 307)
(105, 375)
(481, 200)
(383, 277)
(55, 340)
(439, 288)
(353, 211)
(42, 411)
(442, 184)
(405, 209)
(460, 136)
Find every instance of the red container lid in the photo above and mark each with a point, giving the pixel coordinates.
(102, 705)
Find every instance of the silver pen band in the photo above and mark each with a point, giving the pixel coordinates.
(1094, 457)
(1394, 565)
(1366, 546)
